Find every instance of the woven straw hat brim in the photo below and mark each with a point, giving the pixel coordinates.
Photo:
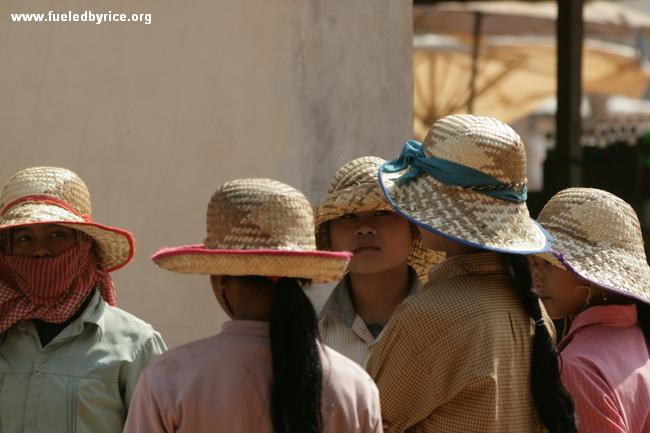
(363, 198)
(350, 200)
(613, 269)
(319, 266)
(116, 246)
(464, 215)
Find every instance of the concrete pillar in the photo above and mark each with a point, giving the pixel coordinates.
(155, 117)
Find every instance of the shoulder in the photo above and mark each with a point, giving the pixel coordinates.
(579, 370)
(194, 353)
(121, 327)
(464, 299)
(345, 374)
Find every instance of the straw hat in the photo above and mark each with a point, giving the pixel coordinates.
(353, 189)
(52, 195)
(598, 236)
(466, 182)
(257, 227)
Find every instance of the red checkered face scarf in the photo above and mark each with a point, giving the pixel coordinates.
(51, 289)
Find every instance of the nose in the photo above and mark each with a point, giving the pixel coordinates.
(365, 230)
(41, 251)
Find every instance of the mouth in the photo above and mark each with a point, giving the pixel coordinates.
(366, 249)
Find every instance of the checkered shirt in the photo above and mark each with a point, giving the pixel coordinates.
(456, 357)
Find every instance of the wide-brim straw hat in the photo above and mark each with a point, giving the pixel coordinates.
(257, 227)
(469, 214)
(597, 236)
(53, 195)
(354, 188)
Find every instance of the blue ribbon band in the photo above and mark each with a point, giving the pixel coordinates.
(451, 173)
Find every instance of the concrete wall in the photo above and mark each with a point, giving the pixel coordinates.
(155, 117)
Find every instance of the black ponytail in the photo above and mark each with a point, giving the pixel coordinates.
(297, 370)
(643, 314)
(554, 405)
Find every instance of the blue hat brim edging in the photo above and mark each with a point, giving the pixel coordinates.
(547, 235)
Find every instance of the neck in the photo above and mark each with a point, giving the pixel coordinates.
(457, 248)
(375, 296)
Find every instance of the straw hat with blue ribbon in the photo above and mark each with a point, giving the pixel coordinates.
(354, 188)
(466, 182)
(598, 236)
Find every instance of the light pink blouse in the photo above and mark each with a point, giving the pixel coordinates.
(222, 384)
(606, 367)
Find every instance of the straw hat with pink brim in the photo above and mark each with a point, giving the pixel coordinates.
(598, 237)
(53, 195)
(257, 227)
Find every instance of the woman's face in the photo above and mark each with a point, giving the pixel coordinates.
(41, 240)
(563, 293)
(380, 240)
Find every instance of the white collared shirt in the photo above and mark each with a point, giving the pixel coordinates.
(343, 329)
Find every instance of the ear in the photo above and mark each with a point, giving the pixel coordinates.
(216, 281)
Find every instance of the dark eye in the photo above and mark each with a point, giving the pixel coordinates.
(22, 238)
(383, 213)
(58, 234)
(348, 216)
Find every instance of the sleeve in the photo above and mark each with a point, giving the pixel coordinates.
(153, 347)
(145, 414)
(478, 399)
(419, 366)
(392, 353)
(595, 401)
(374, 422)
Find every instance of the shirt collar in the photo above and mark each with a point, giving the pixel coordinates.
(339, 305)
(93, 314)
(251, 328)
(609, 315)
(465, 264)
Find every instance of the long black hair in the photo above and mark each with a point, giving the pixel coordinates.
(554, 405)
(643, 314)
(297, 370)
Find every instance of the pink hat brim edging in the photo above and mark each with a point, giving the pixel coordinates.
(200, 249)
(316, 265)
(116, 230)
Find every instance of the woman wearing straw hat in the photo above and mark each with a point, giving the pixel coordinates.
(266, 371)
(598, 277)
(69, 359)
(470, 352)
(388, 257)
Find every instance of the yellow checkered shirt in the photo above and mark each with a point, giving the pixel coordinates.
(455, 358)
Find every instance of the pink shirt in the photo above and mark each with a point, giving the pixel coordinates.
(606, 367)
(222, 384)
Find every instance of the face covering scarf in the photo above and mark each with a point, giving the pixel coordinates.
(51, 289)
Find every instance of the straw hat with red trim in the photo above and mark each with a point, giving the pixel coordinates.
(52, 195)
(257, 227)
